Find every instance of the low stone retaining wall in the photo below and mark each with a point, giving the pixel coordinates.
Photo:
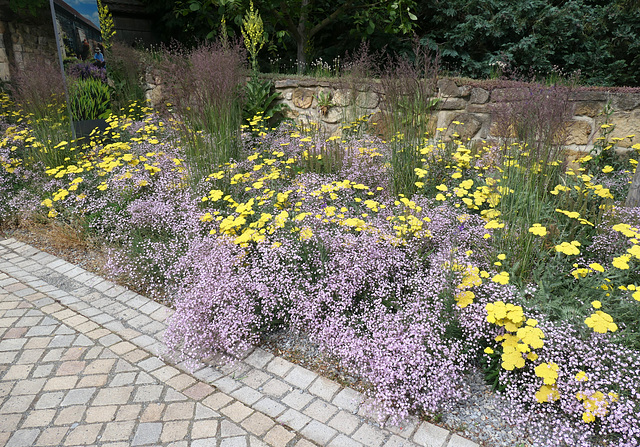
(470, 105)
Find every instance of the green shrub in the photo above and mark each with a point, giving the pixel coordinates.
(90, 99)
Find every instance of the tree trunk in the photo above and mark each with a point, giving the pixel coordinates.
(302, 37)
(301, 58)
(633, 199)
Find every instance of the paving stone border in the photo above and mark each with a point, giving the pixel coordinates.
(82, 361)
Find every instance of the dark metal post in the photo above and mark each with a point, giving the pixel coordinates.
(64, 79)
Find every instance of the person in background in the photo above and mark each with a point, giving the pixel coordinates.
(84, 54)
(99, 57)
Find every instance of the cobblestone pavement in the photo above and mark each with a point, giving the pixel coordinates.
(81, 364)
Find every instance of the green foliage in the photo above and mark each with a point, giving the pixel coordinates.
(260, 98)
(125, 70)
(295, 24)
(600, 39)
(90, 99)
(30, 6)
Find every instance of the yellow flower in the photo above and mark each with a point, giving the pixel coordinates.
(581, 376)
(597, 267)
(538, 230)
(512, 358)
(493, 224)
(464, 298)
(596, 304)
(501, 278)
(547, 393)
(607, 169)
(601, 322)
(488, 350)
(621, 262)
(306, 234)
(634, 251)
(532, 336)
(636, 295)
(569, 248)
(548, 372)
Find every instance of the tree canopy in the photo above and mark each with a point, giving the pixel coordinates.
(599, 38)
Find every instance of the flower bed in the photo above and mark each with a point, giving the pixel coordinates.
(501, 259)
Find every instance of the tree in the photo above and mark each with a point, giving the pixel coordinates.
(302, 20)
(600, 38)
(30, 6)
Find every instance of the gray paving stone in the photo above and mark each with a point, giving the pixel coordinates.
(78, 397)
(397, 441)
(348, 399)
(275, 388)
(23, 438)
(459, 441)
(229, 429)
(238, 441)
(147, 433)
(324, 388)
(279, 366)
(320, 410)
(429, 435)
(294, 419)
(297, 399)
(259, 358)
(247, 395)
(369, 435)
(345, 422)
(318, 432)
(300, 377)
(344, 441)
(269, 407)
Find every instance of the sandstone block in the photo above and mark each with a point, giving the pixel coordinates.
(579, 132)
(588, 108)
(626, 123)
(452, 104)
(625, 101)
(479, 96)
(509, 94)
(468, 127)
(302, 98)
(367, 100)
(448, 88)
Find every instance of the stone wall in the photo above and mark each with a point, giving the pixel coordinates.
(471, 105)
(24, 37)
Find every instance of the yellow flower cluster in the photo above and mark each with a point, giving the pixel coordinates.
(569, 248)
(595, 404)
(522, 334)
(548, 392)
(470, 278)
